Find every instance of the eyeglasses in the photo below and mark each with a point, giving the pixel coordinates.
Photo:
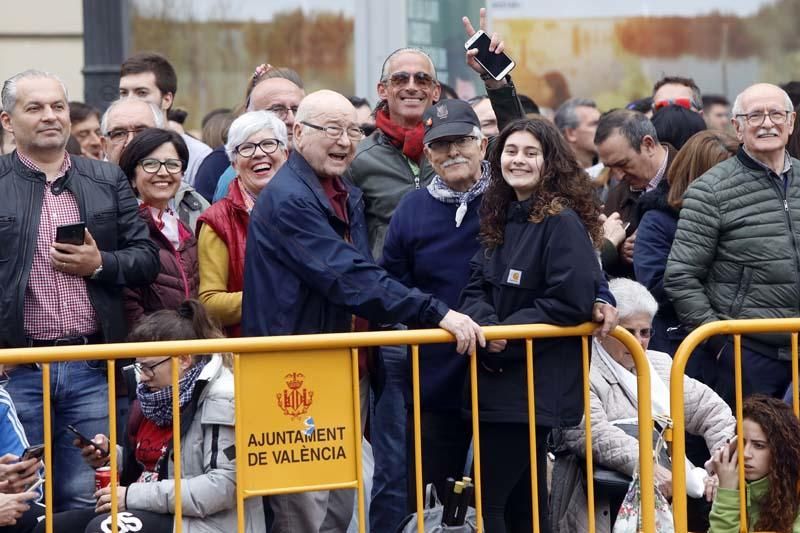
(444, 144)
(148, 370)
(267, 146)
(119, 136)
(354, 133)
(153, 166)
(423, 80)
(682, 102)
(757, 118)
(644, 333)
(282, 111)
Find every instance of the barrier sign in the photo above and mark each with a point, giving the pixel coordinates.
(297, 420)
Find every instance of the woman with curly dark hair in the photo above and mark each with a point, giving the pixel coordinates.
(537, 265)
(771, 470)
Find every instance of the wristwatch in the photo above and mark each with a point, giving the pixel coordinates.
(96, 272)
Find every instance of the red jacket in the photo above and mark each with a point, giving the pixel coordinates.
(229, 218)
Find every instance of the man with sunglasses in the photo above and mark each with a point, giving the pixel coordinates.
(675, 90)
(389, 164)
(57, 294)
(736, 252)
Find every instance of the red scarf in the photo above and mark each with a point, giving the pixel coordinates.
(407, 139)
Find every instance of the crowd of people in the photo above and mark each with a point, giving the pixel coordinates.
(302, 213)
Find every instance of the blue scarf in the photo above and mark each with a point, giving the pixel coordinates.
(157, 405)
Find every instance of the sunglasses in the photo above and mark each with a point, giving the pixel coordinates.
(682, 102)
(423, 80)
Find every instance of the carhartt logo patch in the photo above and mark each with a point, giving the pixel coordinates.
(441, 112)
(514, 276)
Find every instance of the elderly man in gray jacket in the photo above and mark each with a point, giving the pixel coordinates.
(736, 252)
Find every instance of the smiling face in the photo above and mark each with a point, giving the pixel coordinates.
(522, 163)
(767, 139)
(408, 101)
(327, 156)
(40, 117)
(458, 166)
(757, 453)
(256, 171)
(158, 189)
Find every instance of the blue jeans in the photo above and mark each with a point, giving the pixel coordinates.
(388, 436)
(79, 396)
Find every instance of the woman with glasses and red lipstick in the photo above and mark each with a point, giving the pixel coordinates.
(146, 492)
(613, 392)
(154, 162)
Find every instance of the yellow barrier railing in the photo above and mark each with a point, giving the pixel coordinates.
(737, 328)
(353, 341)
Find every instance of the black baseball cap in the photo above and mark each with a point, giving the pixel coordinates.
(449, 118)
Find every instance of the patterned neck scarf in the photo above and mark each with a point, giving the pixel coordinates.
(248, 197)
(442, 192)
(157, 405)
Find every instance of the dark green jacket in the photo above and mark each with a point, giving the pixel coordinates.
(736, 252)
(384, 175)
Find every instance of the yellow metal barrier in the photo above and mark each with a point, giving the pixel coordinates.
(351, 342)
(737, 328)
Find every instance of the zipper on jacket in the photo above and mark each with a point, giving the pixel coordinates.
(183, 273)
(26, 268)
(783, 195)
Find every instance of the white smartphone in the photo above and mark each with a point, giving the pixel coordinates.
(497, 65)
(35, 485)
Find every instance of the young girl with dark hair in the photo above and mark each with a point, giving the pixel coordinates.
(537, 265)
(771, 470)
(146, 493)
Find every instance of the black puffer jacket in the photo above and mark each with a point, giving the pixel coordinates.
(107, 205)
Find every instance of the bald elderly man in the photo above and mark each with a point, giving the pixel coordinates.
(737, 249)
(308, 259)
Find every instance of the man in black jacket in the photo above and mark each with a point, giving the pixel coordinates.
(55, 293)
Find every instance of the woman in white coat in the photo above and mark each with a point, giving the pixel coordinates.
(613, 396)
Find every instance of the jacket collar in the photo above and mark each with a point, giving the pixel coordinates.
(235, 195)
(307, 175)
(751, 163)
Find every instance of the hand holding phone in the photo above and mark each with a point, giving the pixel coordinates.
(485, 53)
(85, 442)
(33, 452)
(71, 233)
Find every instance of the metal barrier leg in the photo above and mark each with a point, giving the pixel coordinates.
(239, 444)
(476, 438)
(357, 430)
(417, 437)
(532, 436)
(112, 440)
(737, 357)
(48, 448)
(176, 439)
(587, 409)
(795, 379)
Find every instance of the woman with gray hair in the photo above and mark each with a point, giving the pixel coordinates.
(257, 148)
(614, 403)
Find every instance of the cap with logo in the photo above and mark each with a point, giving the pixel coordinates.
(449, 118)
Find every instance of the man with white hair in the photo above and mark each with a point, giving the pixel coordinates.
(736, 252)
(123, 119)
(577, 120)
(308, 255)
(57, 293)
